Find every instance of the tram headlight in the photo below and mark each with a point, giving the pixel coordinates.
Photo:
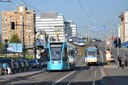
(108, 42)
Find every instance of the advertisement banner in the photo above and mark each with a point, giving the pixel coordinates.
(14, 47)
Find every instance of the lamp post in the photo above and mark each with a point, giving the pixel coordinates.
(6, 46)
(34, 14)
(24, 55)
(35, 43)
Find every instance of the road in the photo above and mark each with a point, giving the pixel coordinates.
(100, 74)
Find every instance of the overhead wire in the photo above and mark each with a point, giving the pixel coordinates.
(35, 8)
(85, 12)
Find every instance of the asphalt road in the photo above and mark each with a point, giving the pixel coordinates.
(100, 74)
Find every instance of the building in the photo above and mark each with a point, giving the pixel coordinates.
(74, 28)
(52, 24)
(70, 29)
(21, 22)
(123, 26)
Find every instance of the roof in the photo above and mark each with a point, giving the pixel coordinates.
(91, 48)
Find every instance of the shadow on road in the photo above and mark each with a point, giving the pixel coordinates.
(107, 80)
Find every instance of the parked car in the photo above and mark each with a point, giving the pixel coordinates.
(23, 64)
(34, 63)
(42, 62)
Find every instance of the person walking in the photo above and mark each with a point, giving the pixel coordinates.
(5, 70)
(119, 61)
(9, 70)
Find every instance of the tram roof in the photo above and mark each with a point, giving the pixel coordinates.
(91, 48)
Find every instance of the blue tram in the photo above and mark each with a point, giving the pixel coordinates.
(91, 55)
(61, 56)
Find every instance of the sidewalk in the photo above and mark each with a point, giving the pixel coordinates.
(9, 77)
(114, 76)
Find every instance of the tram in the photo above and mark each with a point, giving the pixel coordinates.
(91, 55)
(61, 56)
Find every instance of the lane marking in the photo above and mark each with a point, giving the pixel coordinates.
(63, 77)
(102, 72)
(94, 79)
(74, 77)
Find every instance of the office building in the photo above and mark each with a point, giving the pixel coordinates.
(52, 24)
(70, 29)
(123, 26)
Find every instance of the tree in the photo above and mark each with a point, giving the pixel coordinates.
(1, 48)
(15, 39)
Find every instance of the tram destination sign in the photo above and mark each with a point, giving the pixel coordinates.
(55, 45)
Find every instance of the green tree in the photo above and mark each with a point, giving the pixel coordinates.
(15, 39)
(1, 48)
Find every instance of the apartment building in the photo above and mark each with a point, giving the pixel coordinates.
(123, 26)
(23, 21)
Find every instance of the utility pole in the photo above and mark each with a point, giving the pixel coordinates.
(35, 42)
(24, 55)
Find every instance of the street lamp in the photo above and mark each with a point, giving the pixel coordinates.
(24, 55)
(6, 46)
(23, 40)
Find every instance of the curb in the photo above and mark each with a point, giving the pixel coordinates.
(5, 82)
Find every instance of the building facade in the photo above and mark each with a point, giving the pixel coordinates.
(70, 29)
(52, 24)
(124, 26)
(74, 28)
(23, 21)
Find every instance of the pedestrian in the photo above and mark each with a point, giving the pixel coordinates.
(9, 70)
(5, 68)
(119, 61)
(126, 61)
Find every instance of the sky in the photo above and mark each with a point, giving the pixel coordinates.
(85, 13)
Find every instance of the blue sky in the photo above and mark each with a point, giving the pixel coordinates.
(100, 12)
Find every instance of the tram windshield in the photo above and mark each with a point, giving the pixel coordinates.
(92, 53)
(56, 53)
(81, 41)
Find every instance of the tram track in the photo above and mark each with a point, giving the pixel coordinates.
(62, 78)
(70, 79)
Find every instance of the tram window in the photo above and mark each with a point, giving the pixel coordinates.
(98, 52)
(65, 55)
(65, 51)
(91, 52)
(85, 53)
(56, 53)
(71, 53)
